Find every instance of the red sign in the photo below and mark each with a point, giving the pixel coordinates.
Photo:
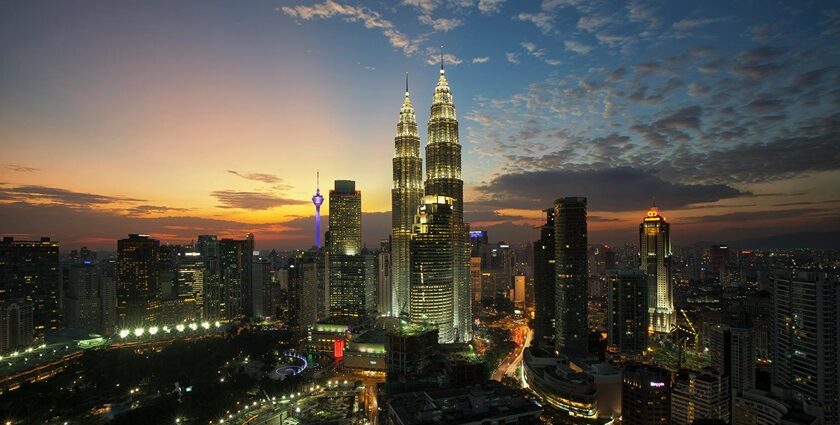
(338, 349)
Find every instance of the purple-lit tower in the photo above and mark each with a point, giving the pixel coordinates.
(318, 200)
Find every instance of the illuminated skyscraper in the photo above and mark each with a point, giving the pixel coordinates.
(432, 271)
(138, 281)
(544, 277)
(213, 305)
(317, 199)
(405, 197)
(655, 252)
(346, 263)
(443, 178)
(627, 311)
(235, 268)
(805, 353)
(29, 271)
(571, 330)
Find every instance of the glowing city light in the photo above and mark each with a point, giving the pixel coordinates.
(139, 332)
(124, 333)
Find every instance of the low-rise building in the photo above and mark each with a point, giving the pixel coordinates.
(489, 403)
(699, 395)
(366, 351)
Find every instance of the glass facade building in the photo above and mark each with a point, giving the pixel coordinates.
(443, 178)
(570, 253)
(432, 271)
(406, 192)
(348, 282)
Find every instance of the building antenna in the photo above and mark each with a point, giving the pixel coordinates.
(406, 84)
(441, 59)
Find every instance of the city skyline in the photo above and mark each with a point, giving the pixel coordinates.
(161, 260)
(726, 112)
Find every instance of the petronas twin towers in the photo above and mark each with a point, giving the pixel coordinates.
(429, 245)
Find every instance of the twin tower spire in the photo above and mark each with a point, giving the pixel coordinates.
(443, 178)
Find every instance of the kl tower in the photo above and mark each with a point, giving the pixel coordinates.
(317, 199)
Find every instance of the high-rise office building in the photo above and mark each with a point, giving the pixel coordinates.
(544, 278)
(15, 325)
(82, 303)
(432, 271)
(406, 192)
(29, 270)
(213, 304)
(443, 178)
(732, 354)
(655, 260)
(190, 281)
(303, 292)
(805, 338)
(479, 244)
(348, 283)
(235, 271)
(138, 281)
(384, 281)
(571, 330)
(108, 295)
(475, 278)
(700, 395)
(627, 311)
(370, 280)
(645, 395)
(261, 278)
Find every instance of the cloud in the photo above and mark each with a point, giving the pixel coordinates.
(370, 19)
(489, 7)
(812, 146)
(753, 216)
(592, 23)
(54, 195)
(481, 59)
(259, 177)
(440, 24)
(690, 24)
(541, 20)
(100, 229)
(759, 62)
(672, 127)
(610, 39)
(427, 6)
(512, 57)
(532, 49)
(252, 200)
(433, 58)
(577, 47)
(152, 209)
(610, 189)
(765, 103)
(638, 11)
(22, 169)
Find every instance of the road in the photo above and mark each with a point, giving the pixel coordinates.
(522, 336)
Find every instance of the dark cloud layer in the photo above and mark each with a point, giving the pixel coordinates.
(252, 200)
(59, 196)
(100, 229)
(613, 189)
(260, 177)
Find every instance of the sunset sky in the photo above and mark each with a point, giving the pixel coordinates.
(194, 117)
